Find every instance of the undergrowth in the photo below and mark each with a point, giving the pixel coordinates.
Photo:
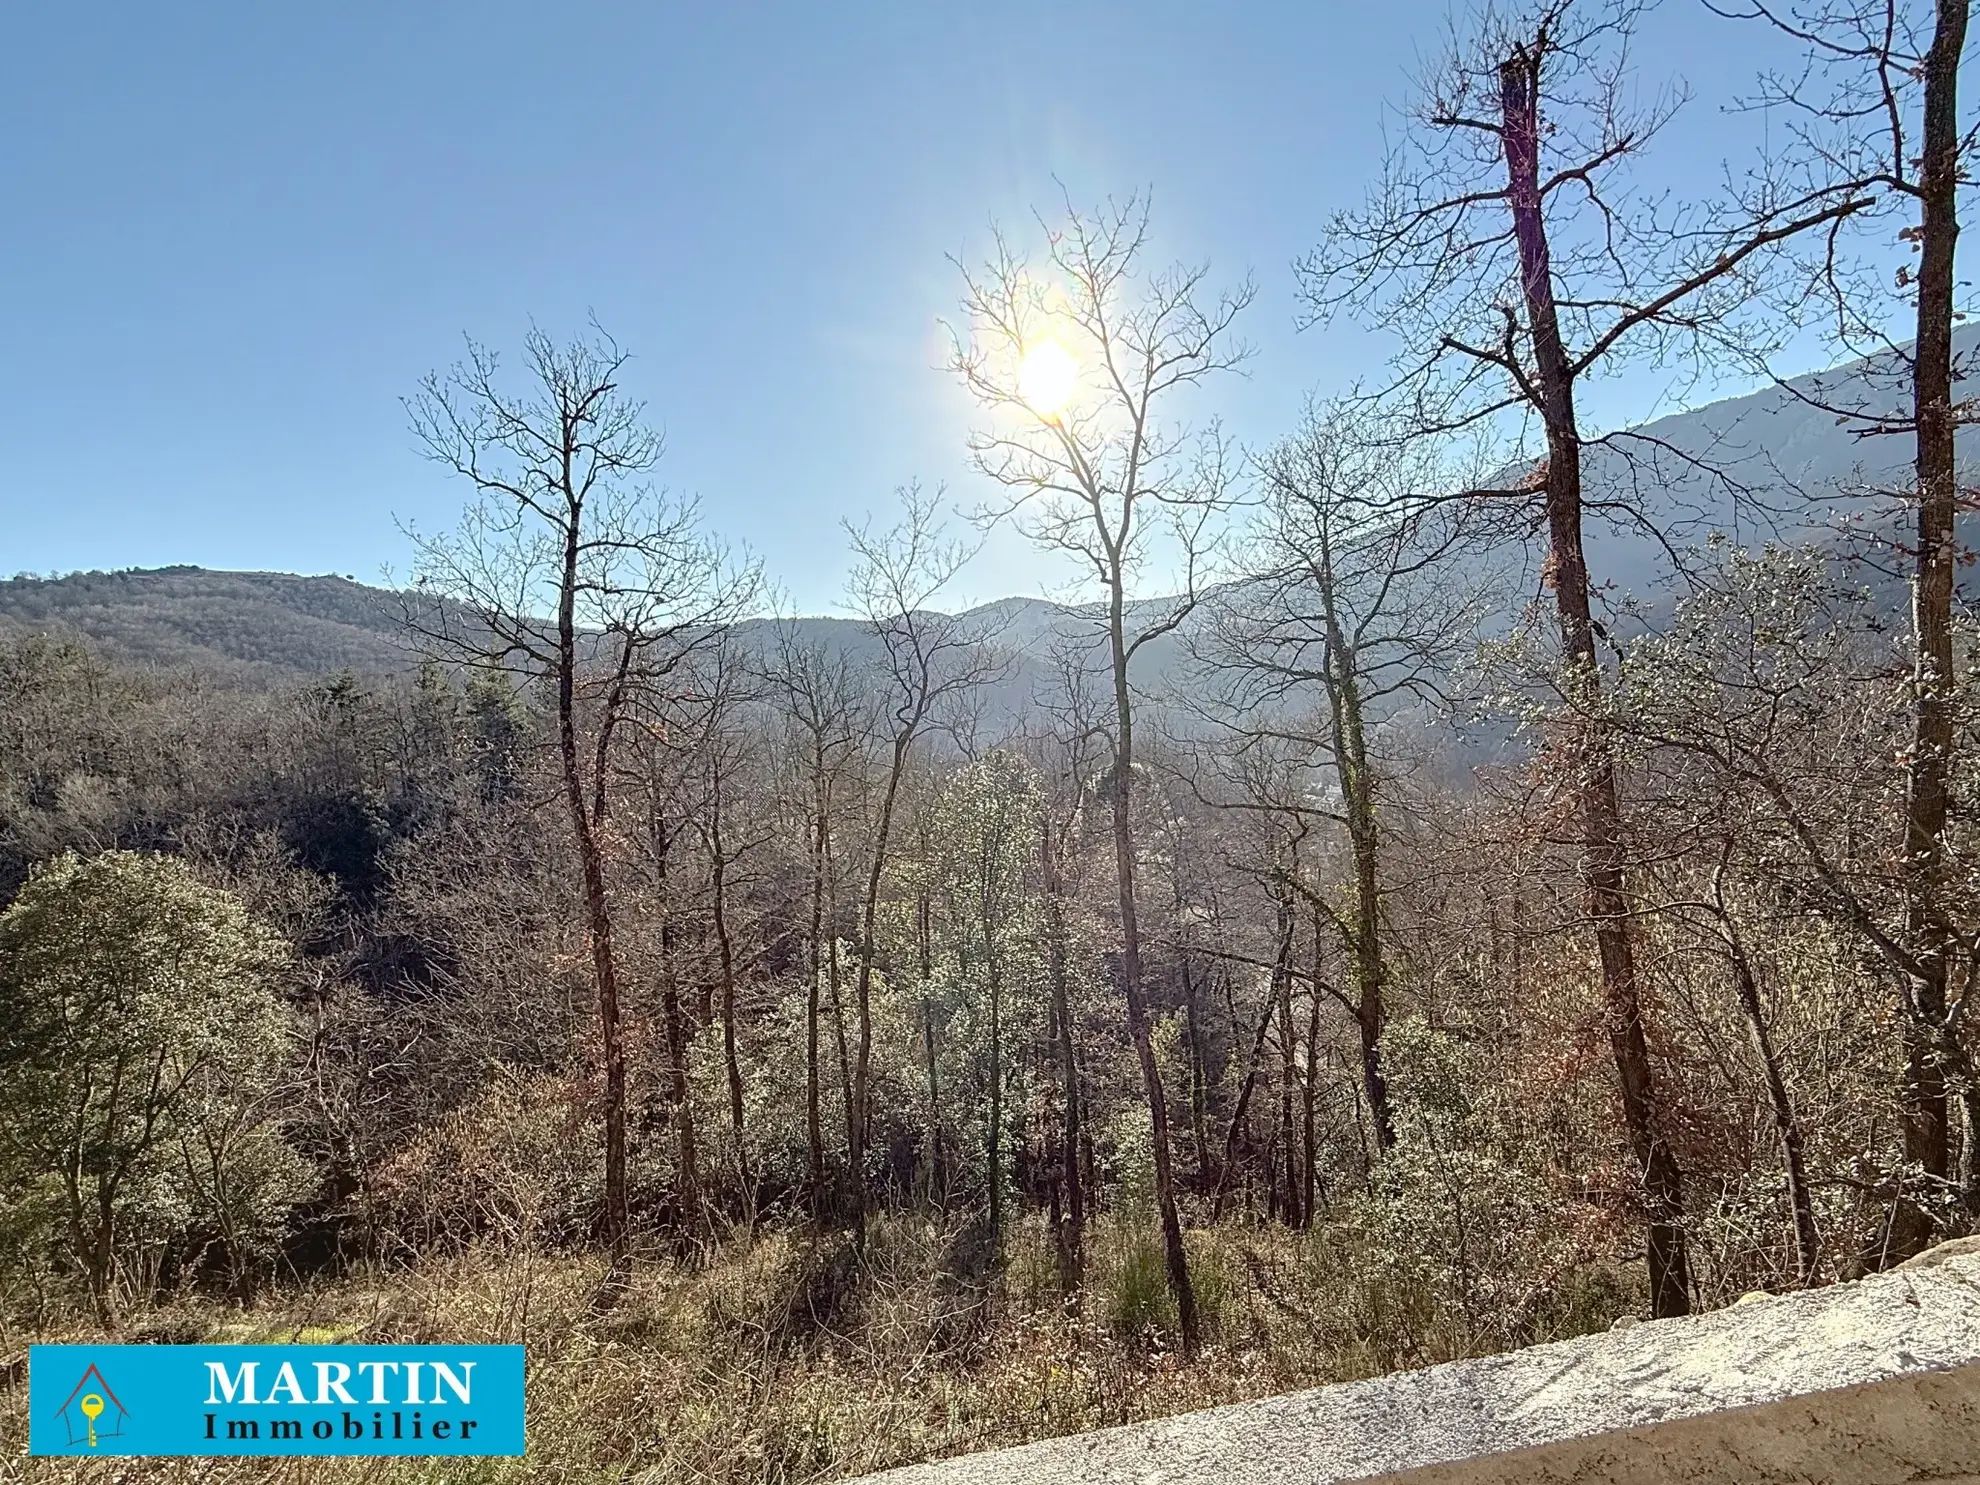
(787, 1358)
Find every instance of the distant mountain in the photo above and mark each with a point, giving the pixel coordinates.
(1772, 464)
(251, 624)
(274, 626)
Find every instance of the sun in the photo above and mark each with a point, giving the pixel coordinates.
(1047, 378)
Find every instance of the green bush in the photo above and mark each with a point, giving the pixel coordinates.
(1133, 1285)
(138, 1005)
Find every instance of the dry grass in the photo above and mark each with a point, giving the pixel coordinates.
(781, 1359)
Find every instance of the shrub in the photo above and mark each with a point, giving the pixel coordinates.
(138, 1004)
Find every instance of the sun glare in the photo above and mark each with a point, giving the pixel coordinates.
(1047, 378)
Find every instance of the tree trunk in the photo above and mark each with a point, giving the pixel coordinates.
(1070, 1226)
(687, 1185)
(834, 986)
(1288, 1076)
(1309, 1191)
(1927, 1133)
(1370, 970)
(612, 1037)
(1241, 1108)
(726, 962)
(814, 1131)
(1357, 781)
(598, 917)
(1590, 751)
(1199, 1080)
(1176, 1261)
(1964, 1076)
(937, 1179)
(1807, 1240)
(863, 988)
(94, 1244)
(994, 1142)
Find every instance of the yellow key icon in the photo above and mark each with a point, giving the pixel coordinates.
(92, 1407)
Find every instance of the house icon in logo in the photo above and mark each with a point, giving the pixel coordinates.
(92, 1410)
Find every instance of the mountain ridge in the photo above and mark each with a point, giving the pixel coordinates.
(257, 623)
(1710, 468)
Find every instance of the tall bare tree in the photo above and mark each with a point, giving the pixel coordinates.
(1075, 364)
(1875, 110)
(1350, 612)
(725, 756)
(818, 694)
(928, 659)
(1777, 690)
(1506, 242)
(572, 572)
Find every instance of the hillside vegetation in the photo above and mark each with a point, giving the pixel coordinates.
(258, 625)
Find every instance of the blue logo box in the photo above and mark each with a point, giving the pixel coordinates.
(275, 1400)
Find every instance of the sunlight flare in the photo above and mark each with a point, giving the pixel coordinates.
(1048, 378)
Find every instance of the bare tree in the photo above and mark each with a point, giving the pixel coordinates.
(1351, 613)
(816, 690)
(1778, 690)
(663, 774)
(725, 757)
(929, 659)
(1266, 787)
(1875, 110)
(1069, 751)
(570, 571)
(1074, 364)
(680, 748)
(1506, 243)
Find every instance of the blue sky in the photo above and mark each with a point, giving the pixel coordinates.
(233, 237)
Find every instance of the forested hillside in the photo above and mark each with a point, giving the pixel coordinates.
(1459, 879)
(251, 625)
